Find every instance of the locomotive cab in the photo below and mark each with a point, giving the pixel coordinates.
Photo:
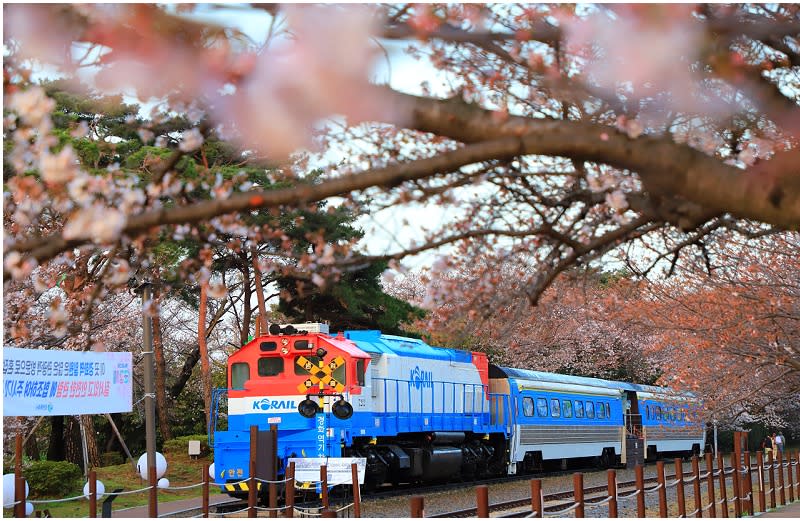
(271, 379)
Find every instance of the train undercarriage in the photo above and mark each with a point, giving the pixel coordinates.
(430, 457)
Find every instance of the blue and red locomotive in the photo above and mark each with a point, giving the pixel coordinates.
(419, 413)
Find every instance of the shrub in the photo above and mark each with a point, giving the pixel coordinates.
(52, 478)
(181, 444)
(109, 459)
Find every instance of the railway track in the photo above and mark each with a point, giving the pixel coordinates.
(593, 494)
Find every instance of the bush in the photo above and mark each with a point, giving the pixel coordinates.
(109, 459)
(52, 478)
(181, 444)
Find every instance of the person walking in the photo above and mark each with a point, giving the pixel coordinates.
(779, 442)
(766, 445)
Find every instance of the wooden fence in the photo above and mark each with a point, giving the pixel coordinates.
(743, 486)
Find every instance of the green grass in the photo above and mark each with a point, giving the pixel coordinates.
(181, 471)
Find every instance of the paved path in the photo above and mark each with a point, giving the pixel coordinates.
(171, 507)
(790, 511)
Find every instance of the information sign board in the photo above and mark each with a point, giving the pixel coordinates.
(339, 469)
(48, 382)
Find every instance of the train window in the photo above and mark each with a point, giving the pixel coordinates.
(567, 406)
(601, 411)
(608, 410)
(647, 409)
(240, 373)
(541, 407)
(527, 406)
(555, 408)
(302, 345)
(268, 346)
(270, 366)
(658, 412)
(361, 371)
(338, 374)
(578, 409)
(590, 409)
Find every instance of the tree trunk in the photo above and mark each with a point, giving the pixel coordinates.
(262, 307)
(161, 379)
(32, 448)
(205, 365)
(57, 442)
(191, 359)
(73, 445)
(247, 312)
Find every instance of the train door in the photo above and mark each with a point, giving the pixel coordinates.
(633, 418)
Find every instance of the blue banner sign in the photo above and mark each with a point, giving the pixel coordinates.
(39, 382)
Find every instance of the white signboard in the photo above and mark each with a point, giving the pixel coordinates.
(46, 382)
(339, 470)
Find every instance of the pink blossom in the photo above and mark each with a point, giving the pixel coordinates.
(318, 280)
(32, 105)
(191, 140)
(99, 223)
(59, 168)
(217, 291)
(617, 200)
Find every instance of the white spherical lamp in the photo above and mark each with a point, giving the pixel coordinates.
(163, 483)
(211, 472)
(161, 465)
(9, 490)
(101, 489)
(28, 509)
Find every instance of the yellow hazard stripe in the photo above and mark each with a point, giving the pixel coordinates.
(241, 487)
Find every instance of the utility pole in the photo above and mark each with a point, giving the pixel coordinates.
(149, 391)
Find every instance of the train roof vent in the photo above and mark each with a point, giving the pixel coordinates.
(310, 327)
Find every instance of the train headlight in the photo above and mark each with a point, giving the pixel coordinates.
(308, 408)
(342, 409)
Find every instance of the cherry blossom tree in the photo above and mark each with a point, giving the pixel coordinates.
(729, 334)
(555, 134)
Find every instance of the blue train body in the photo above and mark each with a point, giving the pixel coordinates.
(423, 413)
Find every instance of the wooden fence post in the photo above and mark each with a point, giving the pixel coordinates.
(536, 498)
(640, 506)
(153, 503)
(698, 501)
(323, 477)
(781, 482)
(356, 490)
(92, 493)
(790, 478)
(251, 481)
(206, 479)
(289, 488)
(612, 493)
(679, 489)
(737, 489)
(797, 470)
(662, 490)
(417, 506)
(712, 501)
(771, 460)
(723, 488)
(748, 484)
(19, 481)
(577, 487)
(762, 496)
(482, 497)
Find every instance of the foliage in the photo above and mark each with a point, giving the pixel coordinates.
(52, 479)
(180, 444)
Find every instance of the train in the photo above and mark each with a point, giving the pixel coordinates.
(418, 413)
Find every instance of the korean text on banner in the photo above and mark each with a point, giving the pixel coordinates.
(39, 382)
